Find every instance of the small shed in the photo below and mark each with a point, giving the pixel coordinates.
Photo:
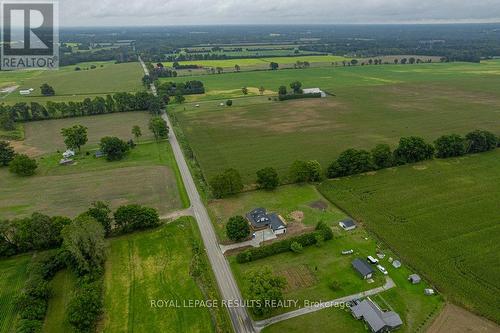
(414, 278)
(99, 154)
(363, 269)
(396, 264)
(347, 224)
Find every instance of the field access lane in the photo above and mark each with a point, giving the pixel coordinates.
(227, 284)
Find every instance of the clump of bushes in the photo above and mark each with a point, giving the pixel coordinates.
(135, 217)
(227, 183)
(237, 228)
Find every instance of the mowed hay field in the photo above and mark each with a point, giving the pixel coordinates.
(77, 85)
(45, 136)
(62, 289)
(147, 176)
(372, 105)
(13, 273)
(153, 265)
(441, 217)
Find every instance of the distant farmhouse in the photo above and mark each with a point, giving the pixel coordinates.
(314, 91)
(347, 224)
(259, 219)
(377, 320)
(363, 268)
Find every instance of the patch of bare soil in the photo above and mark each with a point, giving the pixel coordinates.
(457, 320)
(320, 204)
(298, 277)
(296, 228)
(21, 148)
(296, 216)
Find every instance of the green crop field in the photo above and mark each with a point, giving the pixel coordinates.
(286, 200)
(372, 105)
(13, 273)
(62, 288)
(250, 62)
(106, 78)
(45, 136)
(148, 176)
(155, 265)
(441, 217)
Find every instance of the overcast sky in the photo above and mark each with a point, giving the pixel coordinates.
(201, 12)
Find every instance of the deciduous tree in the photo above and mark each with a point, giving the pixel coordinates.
(114, 148)
(267, 179)
(75, 137)
(237, 228)
(264, 287)
(159, 128)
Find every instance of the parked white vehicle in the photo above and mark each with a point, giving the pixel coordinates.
(382, 269)
(372, 260)
(347, 252)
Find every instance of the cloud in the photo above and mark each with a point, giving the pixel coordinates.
(199, 12)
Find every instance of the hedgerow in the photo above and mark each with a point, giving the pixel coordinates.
(322, 232)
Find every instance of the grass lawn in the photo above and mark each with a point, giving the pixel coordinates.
(77, 85)
(13, 273)
(440, 217)
(148, 176)
(45, 136)
(285, 200)
(310, 274)
(156, 265)
(373, 104)
(328, 320)
(62, 286)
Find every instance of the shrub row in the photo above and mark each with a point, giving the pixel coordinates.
(298, 96)
(86, 306)
(322, 232)
(33, 300)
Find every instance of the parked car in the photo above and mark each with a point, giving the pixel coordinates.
(351, 251)
(372, 260)
(382, 269)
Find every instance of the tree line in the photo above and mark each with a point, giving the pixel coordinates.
(354, 161)
(43, 232)
(119, 102)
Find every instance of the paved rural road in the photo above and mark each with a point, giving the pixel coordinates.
(259, 325)
(227, 284)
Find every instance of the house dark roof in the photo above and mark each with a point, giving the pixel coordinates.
(260, 219)
(275, 222)
(348, 223)
(377, 319)
(362, 267)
